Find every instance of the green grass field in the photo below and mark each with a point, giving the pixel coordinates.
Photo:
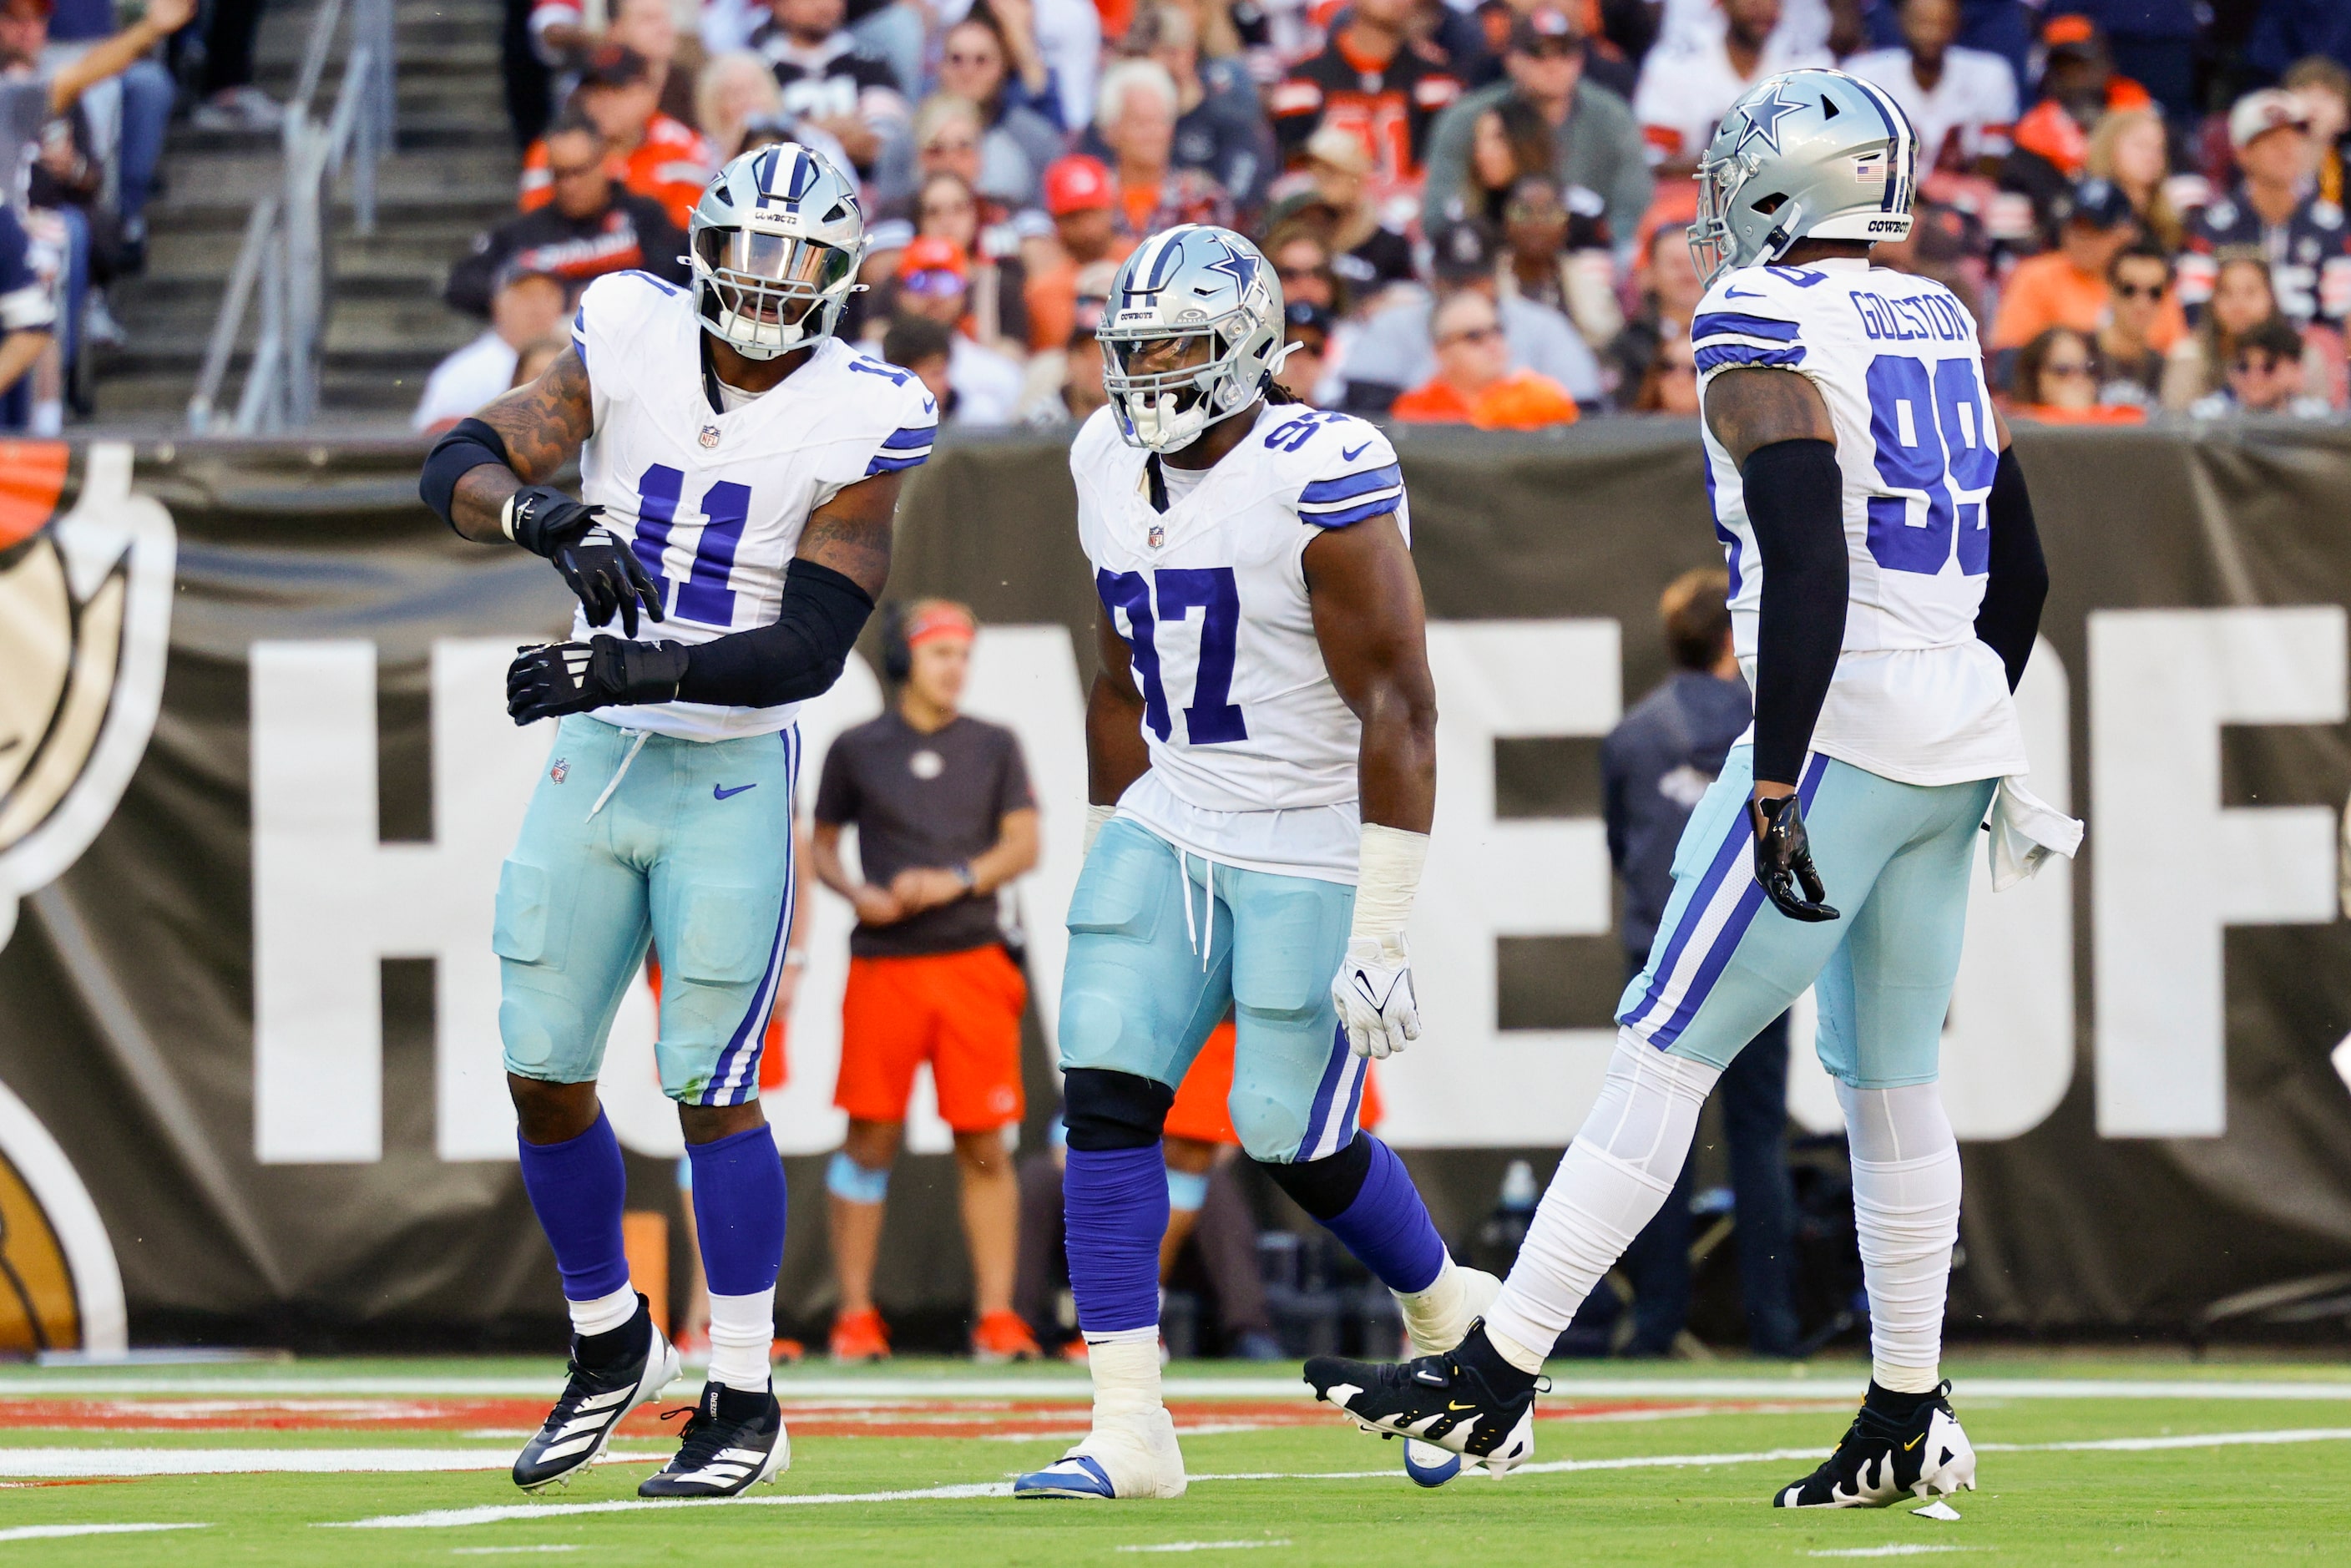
(317, 1462)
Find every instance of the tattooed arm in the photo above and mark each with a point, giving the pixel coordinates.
(543, 426)
(850, 533)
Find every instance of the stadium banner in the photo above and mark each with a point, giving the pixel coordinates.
(257, 781)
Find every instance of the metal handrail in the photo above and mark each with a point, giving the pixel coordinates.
(283, 260)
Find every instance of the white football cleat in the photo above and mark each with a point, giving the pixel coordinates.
(1125, 1456)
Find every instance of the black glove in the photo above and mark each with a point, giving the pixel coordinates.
(1783, 857)
(608, 576)
(540, 517)
(557, 678)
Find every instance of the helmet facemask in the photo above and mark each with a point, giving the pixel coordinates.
(766, 294)
(1165, 387)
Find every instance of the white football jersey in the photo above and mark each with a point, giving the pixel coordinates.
(1688, 85)
(1972, 109)
(1253, 751)
(712, 502)
(1915, 697)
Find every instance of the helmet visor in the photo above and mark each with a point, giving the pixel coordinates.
(759, 258)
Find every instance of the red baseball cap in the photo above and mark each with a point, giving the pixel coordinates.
(931, 253)
(1077, 183)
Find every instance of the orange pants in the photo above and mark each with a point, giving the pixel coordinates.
(1200, 1113)
(958, 1011)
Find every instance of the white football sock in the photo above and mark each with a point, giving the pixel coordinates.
(1906, 1207)
(1435, 1318)
(742, 1337)
(1125, 1367)
(604, 1314)
(1611, 1183)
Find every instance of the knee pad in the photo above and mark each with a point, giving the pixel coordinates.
(1107, 1110)
(1324, 1187)
(1186, 1190)
(845, 1178)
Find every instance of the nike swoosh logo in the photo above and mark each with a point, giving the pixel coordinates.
(1347, 456)
(1455, 1405)
(720, 791)
(1913, 1442)
(1729, 293)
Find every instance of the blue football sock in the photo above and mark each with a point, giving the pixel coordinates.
(1114, 1203)
(1387, 1226)
(739, 1210)
(577, 1188)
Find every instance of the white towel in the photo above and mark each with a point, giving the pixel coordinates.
(2025, 832)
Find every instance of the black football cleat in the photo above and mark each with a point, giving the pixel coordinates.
(611, 1374)
(1468, 1400)
(1899, 1446)
(732, 1442)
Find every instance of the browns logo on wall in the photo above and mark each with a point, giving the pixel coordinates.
(85, 623)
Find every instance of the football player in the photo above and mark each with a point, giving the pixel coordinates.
(739, 466)
(1260, 747)
(1885, 588)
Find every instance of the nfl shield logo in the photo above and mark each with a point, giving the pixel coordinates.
(1157, 536)
(709, 436)
(560, 770)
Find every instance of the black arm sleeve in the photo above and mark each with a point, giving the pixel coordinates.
(1795, 499)
(466, 446)
(797, 656)
(2009, 617)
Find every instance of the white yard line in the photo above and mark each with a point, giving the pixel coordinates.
(1840, 1384)
(60, 1531)
(457, 1518)
(49, 1464)
(1907, 1549)
(1203, 1546)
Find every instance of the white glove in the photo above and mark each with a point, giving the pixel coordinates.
(1373, 992)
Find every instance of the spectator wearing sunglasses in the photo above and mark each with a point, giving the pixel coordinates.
(1474, 383)
(2265, 376)
(934, 283)
(2067, 287)
(2056, 382)
(2138, 283)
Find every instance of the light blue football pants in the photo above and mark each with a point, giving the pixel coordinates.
(1895, 860)
(690, 848)
(1159, 949)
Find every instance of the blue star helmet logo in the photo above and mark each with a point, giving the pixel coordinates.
(1241, 266)
(1763, 117)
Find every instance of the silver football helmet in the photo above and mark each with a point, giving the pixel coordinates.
(1808, 154)
(1192, 332)
(774, 244)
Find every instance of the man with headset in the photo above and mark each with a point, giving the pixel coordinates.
(945, 817)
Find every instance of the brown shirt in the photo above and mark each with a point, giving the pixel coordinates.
(916, 799)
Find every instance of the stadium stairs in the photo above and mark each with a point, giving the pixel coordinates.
(451, 174)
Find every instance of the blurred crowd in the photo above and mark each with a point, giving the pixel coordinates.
(1477, 211)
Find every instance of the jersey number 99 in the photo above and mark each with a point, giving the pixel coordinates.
(1932, 435)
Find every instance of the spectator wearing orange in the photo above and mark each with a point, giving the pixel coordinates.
(2067, 287)
(1135, 125)
(1082, 202)
(2056, 382)
(1376, 80)
(2078, 87)
(945, 817)
(933, 281)
(585, 228)
(1474, 383)
(650, 153)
